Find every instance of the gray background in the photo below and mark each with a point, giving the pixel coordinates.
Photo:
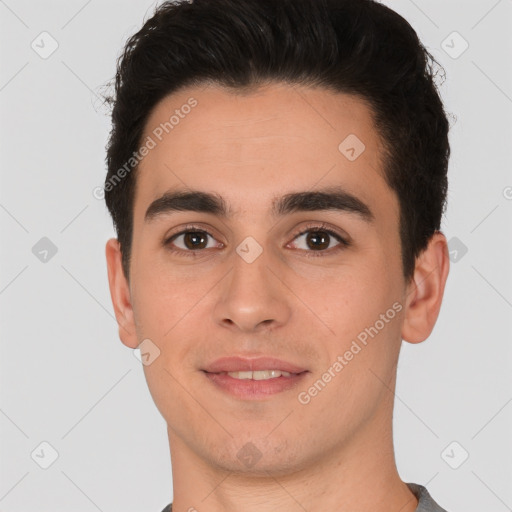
(67, 380)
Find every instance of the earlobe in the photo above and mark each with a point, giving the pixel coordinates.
(425, 292)
(120, 294)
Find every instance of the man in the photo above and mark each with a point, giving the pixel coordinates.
(277, 176)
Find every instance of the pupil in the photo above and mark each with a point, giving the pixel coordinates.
(317, 235)
(193, 238)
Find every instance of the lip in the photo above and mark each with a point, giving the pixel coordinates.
(248, 389)
(243, 364)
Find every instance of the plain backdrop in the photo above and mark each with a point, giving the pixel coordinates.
(69, 383)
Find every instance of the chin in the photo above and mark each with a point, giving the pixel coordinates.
(259, 457)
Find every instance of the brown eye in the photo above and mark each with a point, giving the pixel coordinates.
(189, 240)
(195, 240)
(318, 240)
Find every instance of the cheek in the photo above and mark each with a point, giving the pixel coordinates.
(363, 310)
(163, 294)
(351, 297)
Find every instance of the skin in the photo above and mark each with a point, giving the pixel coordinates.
(336, 452)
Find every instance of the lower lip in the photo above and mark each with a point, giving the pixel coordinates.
(249, 389)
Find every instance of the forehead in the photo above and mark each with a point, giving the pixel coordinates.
(250, 146)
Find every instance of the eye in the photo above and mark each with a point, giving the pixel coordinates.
(190, 240)
(319, 239)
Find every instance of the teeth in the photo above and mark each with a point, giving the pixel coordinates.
(259, 375)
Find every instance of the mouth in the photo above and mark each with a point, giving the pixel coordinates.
(242, 365)
(253, 379)
(258, 375)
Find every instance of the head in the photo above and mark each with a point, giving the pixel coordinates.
(262, 119)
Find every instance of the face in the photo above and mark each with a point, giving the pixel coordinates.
(316, 283)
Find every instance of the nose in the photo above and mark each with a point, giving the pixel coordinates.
(253, 296)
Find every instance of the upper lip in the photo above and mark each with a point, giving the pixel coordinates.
(243, 364)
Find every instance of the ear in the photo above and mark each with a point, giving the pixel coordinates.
(425, 290)
(120, 294)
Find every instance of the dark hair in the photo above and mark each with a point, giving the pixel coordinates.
(358, 47)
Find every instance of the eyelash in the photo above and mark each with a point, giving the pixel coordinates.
(310, 227)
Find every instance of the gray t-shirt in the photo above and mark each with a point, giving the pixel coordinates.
(425, 501)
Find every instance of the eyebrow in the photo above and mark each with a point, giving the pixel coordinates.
(331, 198)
